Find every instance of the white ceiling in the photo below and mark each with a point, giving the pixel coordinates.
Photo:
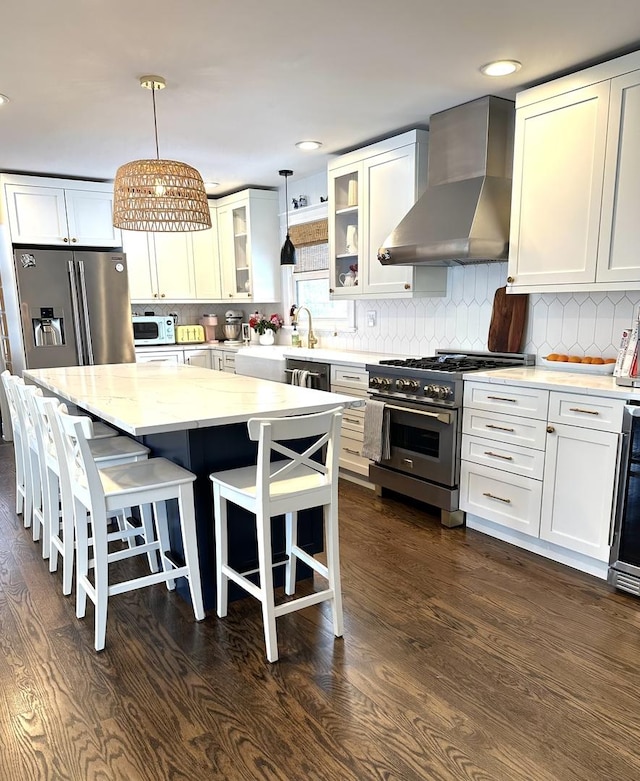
(246, 79)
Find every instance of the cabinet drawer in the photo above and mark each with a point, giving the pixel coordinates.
(349, 377)
(353, 421)
(596, 412)
(351, 456)
(229, 362)
(519, 460)
(526, 402)
(505, 428)
(501, 497)
(350, 390)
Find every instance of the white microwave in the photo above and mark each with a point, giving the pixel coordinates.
(150, 329)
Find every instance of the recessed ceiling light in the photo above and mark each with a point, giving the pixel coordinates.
(309, 145)
(211, 185)
(3, 99)
(501, 67)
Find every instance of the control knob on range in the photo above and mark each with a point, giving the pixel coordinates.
(380, 382)
(437, 391)
(407, 385)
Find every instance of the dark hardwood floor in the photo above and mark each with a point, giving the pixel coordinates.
(463, 658)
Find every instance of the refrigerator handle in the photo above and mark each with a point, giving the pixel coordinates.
(85, 312)
(76, 312)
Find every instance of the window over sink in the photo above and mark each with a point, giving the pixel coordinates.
(308, 285)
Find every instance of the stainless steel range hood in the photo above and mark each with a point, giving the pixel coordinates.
(463, 216)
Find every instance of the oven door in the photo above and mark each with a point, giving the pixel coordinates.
(423, 441)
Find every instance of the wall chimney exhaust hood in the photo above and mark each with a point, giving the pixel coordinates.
(463, 216)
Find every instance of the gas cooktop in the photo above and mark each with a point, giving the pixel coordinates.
(406, 377)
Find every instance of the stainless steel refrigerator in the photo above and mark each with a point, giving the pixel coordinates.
(74, 307)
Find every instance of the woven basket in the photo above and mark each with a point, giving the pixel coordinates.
(310, 233)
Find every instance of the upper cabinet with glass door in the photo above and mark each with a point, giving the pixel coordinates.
(370, 191)
(249, 246)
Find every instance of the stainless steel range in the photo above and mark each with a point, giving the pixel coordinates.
(423, 412)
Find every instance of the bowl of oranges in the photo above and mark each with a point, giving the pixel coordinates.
(582, 364)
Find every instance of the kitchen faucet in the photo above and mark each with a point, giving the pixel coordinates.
(311, 339)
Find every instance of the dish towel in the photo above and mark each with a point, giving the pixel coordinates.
(376, 445)
(301, 378)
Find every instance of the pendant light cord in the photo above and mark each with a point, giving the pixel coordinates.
(155, 121)
(286, 201)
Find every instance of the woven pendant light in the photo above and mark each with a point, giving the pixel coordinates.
(159, 195)
(288, 251)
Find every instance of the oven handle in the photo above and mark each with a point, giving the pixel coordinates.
(443, 417)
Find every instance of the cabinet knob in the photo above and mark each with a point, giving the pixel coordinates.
(511, 280)
(65, 239)
(407, 286)
(161, 295)
(551, 430)
(155, 295)
(73, 241)
(331, 290)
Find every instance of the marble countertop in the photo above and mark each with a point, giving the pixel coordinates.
(537, 377)
(337, 357)
(147, 398)
(186, 346)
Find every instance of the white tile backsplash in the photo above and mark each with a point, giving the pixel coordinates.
(580, 323)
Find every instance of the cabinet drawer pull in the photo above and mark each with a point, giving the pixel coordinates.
(498, 455)
(351, 377)
(498, 498)
(586, 411)
(353, 452)
(503, 398)
(353, 420)
(499, 428)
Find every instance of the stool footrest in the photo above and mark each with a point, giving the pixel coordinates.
(301, 602)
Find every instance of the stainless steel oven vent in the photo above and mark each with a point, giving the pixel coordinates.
(463, 216)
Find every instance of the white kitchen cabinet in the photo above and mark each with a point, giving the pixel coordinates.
(248, 240)
(618, 259)
(352, 381)
(217, 360)
(576, 182)
(61, 212)
(160, 356)
(172, 266)
(370, 191)
(201, 358)
(558, 487)
(579, 480)
(206, 261)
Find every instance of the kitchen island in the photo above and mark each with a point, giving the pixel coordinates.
(196, 418)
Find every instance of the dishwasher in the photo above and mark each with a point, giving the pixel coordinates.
(319, 373)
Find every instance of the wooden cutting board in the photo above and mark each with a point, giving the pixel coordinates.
(508, 319)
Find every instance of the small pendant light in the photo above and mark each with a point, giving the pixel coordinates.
(288, 251)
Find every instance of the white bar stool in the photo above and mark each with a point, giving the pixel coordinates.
(56, 484)
(103, 492)
(283, 487)
(33, 514)
(8, 381)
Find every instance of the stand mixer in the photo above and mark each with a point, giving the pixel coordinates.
(232, 326)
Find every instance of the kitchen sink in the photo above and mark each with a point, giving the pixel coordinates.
(265, 363)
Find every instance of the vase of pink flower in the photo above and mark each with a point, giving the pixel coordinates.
(266, 327)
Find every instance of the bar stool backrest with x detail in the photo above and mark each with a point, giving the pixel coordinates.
(283, 487)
